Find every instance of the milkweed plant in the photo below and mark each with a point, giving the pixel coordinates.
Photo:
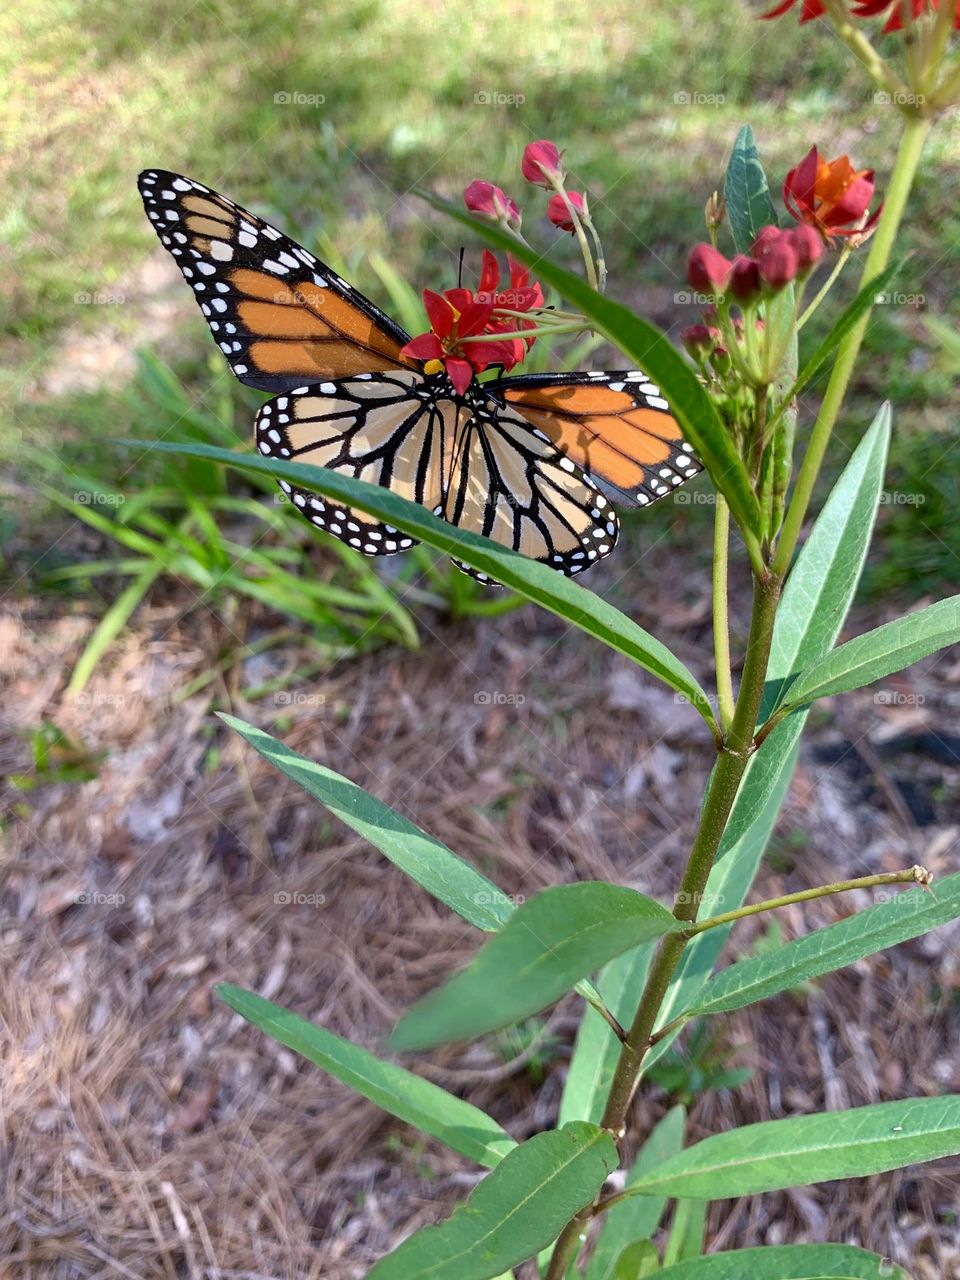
(560, 1204)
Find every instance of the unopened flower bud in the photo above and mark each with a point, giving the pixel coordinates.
(745, 284)
(808, 243)
(559, 213)
(490, 201)
(779, 262)
(708, 271)
(714, 211)
(698, 340)
(541, 163)
(765, 236)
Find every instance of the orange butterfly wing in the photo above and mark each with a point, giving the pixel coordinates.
(615, 426)
(279, 315)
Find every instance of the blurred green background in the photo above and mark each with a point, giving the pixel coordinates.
(324, 118)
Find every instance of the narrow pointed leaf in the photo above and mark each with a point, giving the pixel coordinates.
(879, 653)
(561, 935)
(409, 1097)
(651, 350)
(806, 1149)
(822, 582)
(535, 581)
(747, 195)
(513, 1213)
(638, 1261)
(906, 914)
(431, 864)
(638, 1218)
(787, 1262)
(427, 862)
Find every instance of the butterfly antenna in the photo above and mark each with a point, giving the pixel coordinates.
(460, 269)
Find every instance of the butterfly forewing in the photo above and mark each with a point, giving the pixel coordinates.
(388, 429)
(615, 426)
(279, 315)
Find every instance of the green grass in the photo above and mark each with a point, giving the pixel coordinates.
(92, 94)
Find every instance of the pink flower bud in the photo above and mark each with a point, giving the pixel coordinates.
(486, 199)
(745, 282)
(779, 262)
(765, 236)
(541, 163)
(808, 243)
(698, 339)
(708, 271)
(559, 214)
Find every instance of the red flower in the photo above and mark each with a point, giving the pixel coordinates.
(872, 8)
(866, 9)
(708, 271)
(485, 198)
(559, 214)
(831, 196)
(541, 163)
(458, 314)
(811, 9)
(780, 262)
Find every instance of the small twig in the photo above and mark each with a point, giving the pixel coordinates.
(916, 875)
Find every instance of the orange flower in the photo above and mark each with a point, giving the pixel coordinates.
(830, 195)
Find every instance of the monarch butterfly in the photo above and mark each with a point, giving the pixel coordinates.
(533, 461)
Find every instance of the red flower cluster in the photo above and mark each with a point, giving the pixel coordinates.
(830, 195)
(458, 314)
(776, 257)
(866, 9)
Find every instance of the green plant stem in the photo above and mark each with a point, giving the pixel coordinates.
(914, 136)
(828, 284)
(721, 621)
(915, 875)
(728, 773)
(879, 70)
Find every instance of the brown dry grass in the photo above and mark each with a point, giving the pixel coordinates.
(148, 1132)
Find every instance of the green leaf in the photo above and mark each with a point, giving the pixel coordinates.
(787, 1262)
(879, 653)
(431, 864)
(513, 1213)
(597, 1049)
(638, 1261)
(112, 623)
(425, 860)
(745, 190)
(907, 914)
(805, 1149)
(429, 1108)
(561, 935)
(535, 581)
(637, 1218)
(650, 350)
(687, 1231)
(822, 582)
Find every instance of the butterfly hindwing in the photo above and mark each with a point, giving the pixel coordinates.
(510, 483)
(390, 429)
(279, 315)
(615, 426)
